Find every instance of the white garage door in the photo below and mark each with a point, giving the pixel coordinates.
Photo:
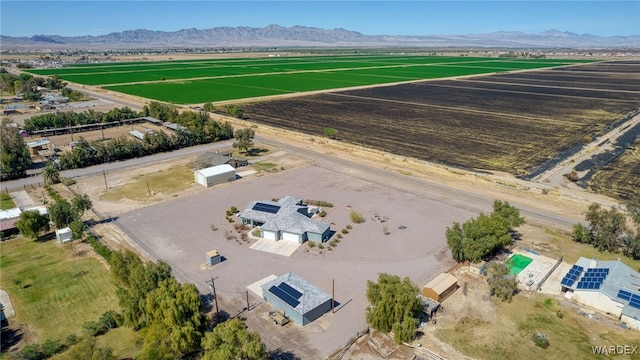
(290, 237)
(270, 235)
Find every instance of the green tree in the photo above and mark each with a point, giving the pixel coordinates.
(455, 240)
(232, 341)
(61, 213)
(208, 106)
(77, 228)
(394, 306)
(331, 133)
(606, 227)
(32, 223)
(50, 174)
(235, 110)
(244, 139)
(501, 284)
(485, 235)
(177, 307)
(135, 280)
(88, 349)
(81, 203)
(14, 154)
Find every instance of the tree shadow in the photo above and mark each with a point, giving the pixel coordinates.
(280, 354)
(255, 152)
(46, 237)
(101, 221)
(10, 337)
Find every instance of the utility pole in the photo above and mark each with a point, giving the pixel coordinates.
(105, 180)
(212, 285)
(248, 309)
(333, 296)
(148, 189)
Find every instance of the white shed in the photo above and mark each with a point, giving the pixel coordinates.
(215, 175)
(63, 235)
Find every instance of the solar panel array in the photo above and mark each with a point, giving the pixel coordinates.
(284, 296)
(593, 278)
(268, 208)
(288, 294)
(572, 275)
(634, 300)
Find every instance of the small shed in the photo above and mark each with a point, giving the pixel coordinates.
(213, 257)
(441, 287)
(63, 235)
(215, 175)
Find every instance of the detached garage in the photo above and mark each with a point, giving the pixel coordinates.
(215, 175)
(441, 287)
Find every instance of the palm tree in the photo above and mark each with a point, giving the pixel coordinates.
(51, 175)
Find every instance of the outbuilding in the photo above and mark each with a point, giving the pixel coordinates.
(441, 287)
(215, 175)
(213, 257)
(63, 235)
(298, 299)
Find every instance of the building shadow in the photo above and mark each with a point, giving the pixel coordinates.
(10, 337)
(280, 354)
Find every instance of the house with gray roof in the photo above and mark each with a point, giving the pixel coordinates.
(609, 286)
(286, 219)
(300, 300)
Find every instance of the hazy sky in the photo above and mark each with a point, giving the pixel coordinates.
(70, 18)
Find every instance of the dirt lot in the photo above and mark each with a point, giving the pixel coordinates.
(418, 251)
(510, 127)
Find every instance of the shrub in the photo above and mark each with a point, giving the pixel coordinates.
(322, 213)
(94, 328)
(338, 236)
(110, 319)
(71, 340)
(349, 227)
(51, 347)
(356, 217)
(540, 340)
(311, 244)
(320, 246)
(345, 231)
(100, 248)
(67, 181)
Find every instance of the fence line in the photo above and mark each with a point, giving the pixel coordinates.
(338, 354)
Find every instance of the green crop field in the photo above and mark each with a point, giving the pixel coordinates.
(199, 81)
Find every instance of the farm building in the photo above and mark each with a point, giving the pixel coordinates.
(441, 287)
(286, 219)
(608, 286)
(63, 235)
(298, 299)
(215, 175)
(39, 146)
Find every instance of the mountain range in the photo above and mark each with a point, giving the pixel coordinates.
(302, 36)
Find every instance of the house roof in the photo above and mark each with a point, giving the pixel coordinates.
(619, 277)
(41, 142)
(287, 214)
(441, 283)
(297, 291)
(216, 170)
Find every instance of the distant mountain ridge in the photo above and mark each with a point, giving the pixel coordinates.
(275, 35)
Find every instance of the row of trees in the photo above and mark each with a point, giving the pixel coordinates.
(609, 230)
(168, 315)
(62, 119)
(14, 154)
(485, 235)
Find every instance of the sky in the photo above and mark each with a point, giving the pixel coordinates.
(74, 18)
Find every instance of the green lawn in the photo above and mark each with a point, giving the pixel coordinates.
(51, 290)
(230, 79)
(6, 202)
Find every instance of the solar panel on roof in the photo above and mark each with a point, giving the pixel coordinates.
(635, 304)
(268, 208)
(284, 296)
(290, 291)
(624, 295)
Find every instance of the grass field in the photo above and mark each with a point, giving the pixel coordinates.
(6, 202)
(198, 81)
(52, 290)
(508, 335)
(169, 181)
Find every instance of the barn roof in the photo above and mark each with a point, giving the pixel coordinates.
(300, 294)
(441, 283)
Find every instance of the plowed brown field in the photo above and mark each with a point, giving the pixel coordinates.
(509, 122)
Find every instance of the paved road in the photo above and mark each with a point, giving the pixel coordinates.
(114, 166)
(476, 201)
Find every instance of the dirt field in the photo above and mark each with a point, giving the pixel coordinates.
(512, 127)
